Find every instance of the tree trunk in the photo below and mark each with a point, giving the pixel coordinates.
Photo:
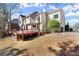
(9, 25)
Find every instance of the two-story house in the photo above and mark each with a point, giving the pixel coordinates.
(39, 21)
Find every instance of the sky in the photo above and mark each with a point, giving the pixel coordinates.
(71, 10)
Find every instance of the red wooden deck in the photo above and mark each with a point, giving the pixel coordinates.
(21, 34)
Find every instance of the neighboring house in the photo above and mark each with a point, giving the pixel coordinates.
(39, 21)
(14, 24)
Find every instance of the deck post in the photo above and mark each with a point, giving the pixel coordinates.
(22, 35)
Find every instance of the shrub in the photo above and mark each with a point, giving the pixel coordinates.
(53, 24)
(67, 27)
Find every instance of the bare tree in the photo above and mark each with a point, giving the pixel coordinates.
(3, 20)
(10, 10)
(6, 12)
(76, 27)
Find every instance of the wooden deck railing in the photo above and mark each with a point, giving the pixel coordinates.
(25, 33)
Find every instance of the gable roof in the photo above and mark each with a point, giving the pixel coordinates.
(54, 11)
(22, 15)
(37, 13)
(34, 13)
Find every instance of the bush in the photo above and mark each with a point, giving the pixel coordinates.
(53, 24)
(67, 27)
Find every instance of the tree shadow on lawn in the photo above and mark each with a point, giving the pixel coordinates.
(9, 51)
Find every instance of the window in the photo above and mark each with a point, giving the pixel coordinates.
(38, 19)
(26, 27)
(19, 21)
(56, 16)
(34, 26)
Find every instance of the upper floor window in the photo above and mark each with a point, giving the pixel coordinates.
(56, 16)
(19, 21)
(38, 18)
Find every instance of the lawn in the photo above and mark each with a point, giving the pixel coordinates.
(39, 46)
